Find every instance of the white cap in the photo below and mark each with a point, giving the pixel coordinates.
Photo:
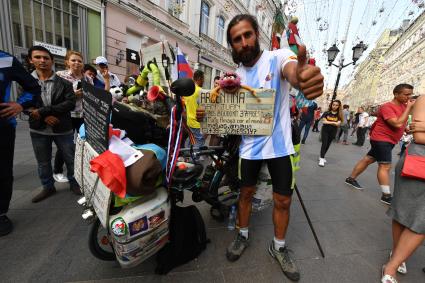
(101, 60)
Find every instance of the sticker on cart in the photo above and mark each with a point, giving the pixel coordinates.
(156, 219)
(138, 226)
(118, 227)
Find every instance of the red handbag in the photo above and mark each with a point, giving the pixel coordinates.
(414, 167)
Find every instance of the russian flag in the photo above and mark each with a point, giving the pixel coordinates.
(183, 67)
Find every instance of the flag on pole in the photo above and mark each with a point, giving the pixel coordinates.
(183, 68)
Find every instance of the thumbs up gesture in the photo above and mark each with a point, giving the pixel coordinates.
(310, 80)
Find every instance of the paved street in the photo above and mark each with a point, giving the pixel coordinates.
(49, 242)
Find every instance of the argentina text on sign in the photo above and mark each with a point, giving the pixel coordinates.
(239, 113)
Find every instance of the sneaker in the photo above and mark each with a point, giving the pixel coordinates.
(60, 178)
(285, 261)
(386, 199)
(76, 189)
(352, 182)
(386, 278)
(45, 193)
(6, 225)
(236, 248)
(322, 162)
(402, 269)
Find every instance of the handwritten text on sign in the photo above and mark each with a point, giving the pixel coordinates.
(239, 113)
(97, 109)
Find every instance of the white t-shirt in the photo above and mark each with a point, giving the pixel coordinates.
(362, 120)
(371, 120)
(266, 73)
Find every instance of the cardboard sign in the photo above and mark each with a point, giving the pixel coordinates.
(155, 51)
(97, 111)
(239, 113)
(96, 193)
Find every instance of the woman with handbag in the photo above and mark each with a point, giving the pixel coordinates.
(408, 205)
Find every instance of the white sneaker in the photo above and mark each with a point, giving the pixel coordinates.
(402, 269)
(322, 162)
(60, 178)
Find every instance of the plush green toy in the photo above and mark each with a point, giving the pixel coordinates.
(142, 80)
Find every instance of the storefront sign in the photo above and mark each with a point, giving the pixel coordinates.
(54, 49)
(97, 110)
(239, 114)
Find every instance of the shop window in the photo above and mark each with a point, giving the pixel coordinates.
(75, 33)
(220, 29)
(74, 8)
(54, 22)
(57, 4)
(207, 75)
(48, 24)
(65, 5)
(16, 23)
(67, 30)
(38, 23)
(27, 22)
(58, 28)
(205, 15)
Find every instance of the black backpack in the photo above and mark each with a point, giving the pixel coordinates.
(188, 239)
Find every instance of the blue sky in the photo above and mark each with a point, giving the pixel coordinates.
(347, 21)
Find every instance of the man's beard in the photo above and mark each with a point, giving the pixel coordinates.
(247, 55)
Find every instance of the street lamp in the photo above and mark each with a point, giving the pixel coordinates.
(333, 52)
(358, 51)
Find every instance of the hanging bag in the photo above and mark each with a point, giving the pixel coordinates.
(414, 166)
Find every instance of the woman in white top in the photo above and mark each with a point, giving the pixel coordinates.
(74, 74)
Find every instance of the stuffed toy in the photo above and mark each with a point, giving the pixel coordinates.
(230, 83)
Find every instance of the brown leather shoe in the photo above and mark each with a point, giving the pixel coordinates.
(75, 188)
(45, 193)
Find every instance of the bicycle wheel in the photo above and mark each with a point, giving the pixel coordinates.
(99, 243)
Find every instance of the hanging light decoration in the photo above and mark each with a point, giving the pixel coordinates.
(177, 6)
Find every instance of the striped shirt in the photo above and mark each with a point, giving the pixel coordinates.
(266, 73)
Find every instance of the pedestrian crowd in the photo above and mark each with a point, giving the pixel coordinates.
(53, 102)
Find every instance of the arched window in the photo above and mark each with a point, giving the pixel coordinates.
(205, 15)
(220, 30)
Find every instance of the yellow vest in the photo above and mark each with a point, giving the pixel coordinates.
(191, 103)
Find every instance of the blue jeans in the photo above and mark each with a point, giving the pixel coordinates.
(199, 137)
(42, 145)
(306, 125)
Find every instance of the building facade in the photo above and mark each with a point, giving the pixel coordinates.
(404, 62)
(57, 24)
(198, 27)
(399, 57)
(363, 89)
